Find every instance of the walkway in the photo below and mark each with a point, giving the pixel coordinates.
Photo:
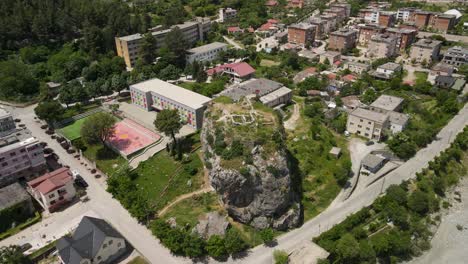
(233, 43)
(291, 123)
(183, 197)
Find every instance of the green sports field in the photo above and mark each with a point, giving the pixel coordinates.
(72, 131)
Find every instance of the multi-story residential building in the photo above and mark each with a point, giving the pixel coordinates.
(227, 14)
(386, 103)
(367, 31)
(320, 27)
(302, 34)
(128, 47)
(405, 37)
(387, 19)
(21, 157)
(425, 50)
(442, 22)
(7, 124)
(158, 95)
(370, 15)
(205, 53)
(422, 18)
(53, 189)
(456, 56)
(331, 22)
(382, 46)
(342, 40)
(340, 13)
(94, 241)
(345, 6)
(356, 67)
(387, 70)
(367, 123)
(407, 13)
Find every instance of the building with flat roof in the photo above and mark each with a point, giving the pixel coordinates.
(158, 95)
(269, 92)
(406, 14)
(53, 189)
(7, 124)
(226, 14)
(367, 123)
(331, 22)
(456, 56)
(386, 71)
(386, 103)
(373, 162)
(425, 50)
(205, 53)
(405, 36)
(331, 56)
(356, 67)
(387, 19)
(21, 157)
(342, 40)
(128, 47)
(440, 69)
(345, 6)
(367, 31)
(302, 34)
(320, 26)
(398, 121)
(382, 46)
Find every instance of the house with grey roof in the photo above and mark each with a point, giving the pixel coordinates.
(373, 163)
(386, 103)
(93, 242)
(386, 71)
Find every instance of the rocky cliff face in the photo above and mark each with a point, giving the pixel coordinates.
(257, 189)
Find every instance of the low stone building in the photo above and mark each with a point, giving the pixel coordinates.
(373, 162)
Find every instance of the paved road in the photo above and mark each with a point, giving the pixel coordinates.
(102, 202)
(337, 214)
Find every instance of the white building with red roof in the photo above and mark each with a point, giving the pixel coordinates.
(239, 71)
(53, 189)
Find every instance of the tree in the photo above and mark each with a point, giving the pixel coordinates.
(168, 122)
(174, 48)
(346, 249)
(98, 128)
(13, 255)
(16, 81)
(280, 257)
(50, 111)
(148, 49)
(215, 247)
(397, 193)
(267, 235)
(234, 242)
(418, 201)
(119, 82)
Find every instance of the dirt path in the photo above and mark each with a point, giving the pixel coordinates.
(291, 123)
(183, 197)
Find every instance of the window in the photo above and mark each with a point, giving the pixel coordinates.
(12, 154)
(52, 202)
(98, 257)
(4, 164)
(110, 242)
(52, 195)
(22, 150)
(104, 246)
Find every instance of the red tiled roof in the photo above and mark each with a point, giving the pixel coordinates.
(331, 76)
(234, 29)
(272, 21)
(349, 78)
(271, 3)
(51, 181)
(251, 29)
(310, 70)
(241, 68)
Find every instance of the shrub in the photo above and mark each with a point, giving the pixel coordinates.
(280, 257)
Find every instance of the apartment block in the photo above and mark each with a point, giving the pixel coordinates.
(382, 46)
(405, 37)
(406, 14)
(331, 22)
(422, 18)
(425, 50)
(301, 34)
(128, 47)
(442, 22)
(158, 95)
(357, 67)
(345, 6)
(386, 103)
(367, 123)
(7, 124)
(205, 53)
(227, 14)
(456, 56)
(320, 27)
(342, 40)
(340, 13)
(330, 56)
(367, 31)
(370, 15)
(387, 19)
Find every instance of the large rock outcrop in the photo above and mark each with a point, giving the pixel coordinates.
(256, 186)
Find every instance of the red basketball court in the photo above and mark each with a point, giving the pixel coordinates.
(131, 137)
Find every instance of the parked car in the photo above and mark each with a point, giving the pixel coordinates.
(84, 199)
(25, 247)
(369, 143)
(44, 126)
(80, 182)
(17, 120)
(48, 151)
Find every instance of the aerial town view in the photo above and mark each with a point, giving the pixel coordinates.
(233, 131)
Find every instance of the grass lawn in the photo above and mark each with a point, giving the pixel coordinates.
(138, 260)
(268, 63)
(155, 173)
(317, 167)
(72, 131)
(106, 159)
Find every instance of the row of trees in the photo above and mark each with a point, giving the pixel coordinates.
(365, 237)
